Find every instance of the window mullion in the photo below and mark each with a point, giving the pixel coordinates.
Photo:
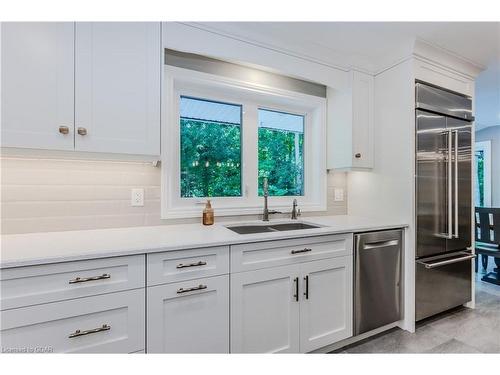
(250, 156)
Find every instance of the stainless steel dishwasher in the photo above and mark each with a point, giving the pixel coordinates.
(377, 279)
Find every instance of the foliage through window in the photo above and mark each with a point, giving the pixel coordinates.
(210, 142)
(480, 178)
(281, 152)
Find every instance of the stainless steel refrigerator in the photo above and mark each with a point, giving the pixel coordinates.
(443, 200)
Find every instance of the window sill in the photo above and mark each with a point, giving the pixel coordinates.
(192, 212)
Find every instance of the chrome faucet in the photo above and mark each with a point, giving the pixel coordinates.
(295, 211)
(266, 212)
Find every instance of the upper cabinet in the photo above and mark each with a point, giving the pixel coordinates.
(117, 87)
(38, 84)
(85, 86)
(350, 124)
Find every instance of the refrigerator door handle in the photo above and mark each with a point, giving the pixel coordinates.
(455, 235)
(446, 262)
(449, 180)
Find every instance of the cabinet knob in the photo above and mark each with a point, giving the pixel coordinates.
(357, 156)
(63, 129)
(82, 131)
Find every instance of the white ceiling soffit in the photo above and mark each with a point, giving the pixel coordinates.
(369, 46)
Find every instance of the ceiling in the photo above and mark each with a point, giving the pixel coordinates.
(373, 46)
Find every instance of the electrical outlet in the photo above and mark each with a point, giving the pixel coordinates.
(339, 195)
(137, 197)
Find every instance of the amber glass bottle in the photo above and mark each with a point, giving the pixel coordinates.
(208, 214)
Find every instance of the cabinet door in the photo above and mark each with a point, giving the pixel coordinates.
(265, 311)
(189, 316)
(117, 87)
(326, 302)
(37, 84)
(362, 120)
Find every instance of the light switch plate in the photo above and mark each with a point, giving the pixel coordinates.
(137, 197)
(338, 195)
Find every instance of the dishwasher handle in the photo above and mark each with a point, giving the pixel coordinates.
(379, 244)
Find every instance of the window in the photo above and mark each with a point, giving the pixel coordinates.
(222, 136)
(210, 148)
(483, 174)
(281, 152)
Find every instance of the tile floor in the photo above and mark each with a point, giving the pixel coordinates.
(459, 331)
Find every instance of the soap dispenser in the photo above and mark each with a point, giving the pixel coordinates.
(208, 214)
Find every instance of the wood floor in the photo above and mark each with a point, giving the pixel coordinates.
(460, 331)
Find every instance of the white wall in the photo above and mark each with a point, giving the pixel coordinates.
(57, 195)
(492, 134)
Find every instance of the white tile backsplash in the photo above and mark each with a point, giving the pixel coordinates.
(41, 195)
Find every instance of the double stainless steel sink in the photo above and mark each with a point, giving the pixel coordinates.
(266, 228)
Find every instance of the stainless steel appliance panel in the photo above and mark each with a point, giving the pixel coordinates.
(462, 186)
(442, 282)
(443, 200)
(432, 198)
(377, 279)
(434, 99)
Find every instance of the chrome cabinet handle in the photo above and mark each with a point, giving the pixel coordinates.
(200, 263)
(456, 184)
(296, 295)
(199, 287)
(78, 333)
(93, 278)
(306, 250)
(63, 129)
(82, 131)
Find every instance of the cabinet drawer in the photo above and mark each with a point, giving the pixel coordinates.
(111, 323)
(189, 316)
(25, 286)
(252, 256)
(181, 265)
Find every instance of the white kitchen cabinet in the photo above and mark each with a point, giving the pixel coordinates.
(326, 303)
(265, 310)
(189, 316)
(296, 308)
(251, 256)
(82, 86)
(37, 84)
(34, 285)
(117, 87)
(173, 266)
(350, 124)
(108, 323)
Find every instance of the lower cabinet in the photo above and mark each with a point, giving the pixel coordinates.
(189, 317)
(107, 323)
(265, 310)
(327, 300)
(296, 308)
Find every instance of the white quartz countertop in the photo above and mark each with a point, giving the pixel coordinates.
(52, 247)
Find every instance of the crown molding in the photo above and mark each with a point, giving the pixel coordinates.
(418, 48)
(279, 49)
(429, 52)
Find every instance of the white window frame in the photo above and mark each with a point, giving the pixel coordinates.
(183, 82)
(485, 146)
